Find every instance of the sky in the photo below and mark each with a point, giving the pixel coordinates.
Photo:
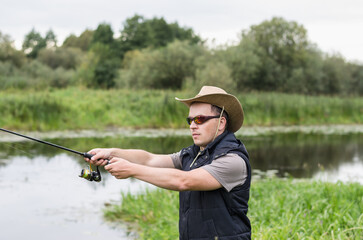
(335, 26)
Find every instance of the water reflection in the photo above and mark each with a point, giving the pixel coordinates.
(299, 155)
(306, 155)
(42, 195)
(43, 198)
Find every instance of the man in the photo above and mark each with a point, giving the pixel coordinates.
(213, 176)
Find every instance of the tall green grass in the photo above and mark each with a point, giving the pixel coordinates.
(77, 108)
(278, 209)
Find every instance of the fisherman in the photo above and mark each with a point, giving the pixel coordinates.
(212, 176)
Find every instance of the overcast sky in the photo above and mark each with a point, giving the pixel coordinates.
(335, 25)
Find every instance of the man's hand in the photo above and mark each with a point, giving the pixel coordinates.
(101, 156)
(119, 168)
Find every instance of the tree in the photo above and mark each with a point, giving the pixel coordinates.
(50, 39)
(83, 41)
(103, 34)
(356, 85)
(32, 43)
(135, 34)
(284, 47)
(336, 76)
(244, 62)
(139, 33)
(9, 53)
(283, 41)
(216, 74)
(161, 68)
(161, 32)
(100, 69)
(67, 58)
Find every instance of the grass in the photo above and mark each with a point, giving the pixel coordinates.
(278, 209)
(153, 214)
(76, 108)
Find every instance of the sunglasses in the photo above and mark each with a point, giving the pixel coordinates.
(200, 119)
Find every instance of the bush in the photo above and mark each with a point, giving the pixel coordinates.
(164, 68)
(67, 58)
(216, 74)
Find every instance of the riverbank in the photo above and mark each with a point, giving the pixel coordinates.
(82, 109)
(245, 131)
(278, 209)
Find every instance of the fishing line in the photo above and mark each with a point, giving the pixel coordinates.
(18, 149)
(88, 174)
(86, 155)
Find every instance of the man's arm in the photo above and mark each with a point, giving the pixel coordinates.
(101, 155)
(172, 179)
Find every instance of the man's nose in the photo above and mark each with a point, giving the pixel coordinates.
(193, 125)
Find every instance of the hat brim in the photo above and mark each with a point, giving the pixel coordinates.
(230, 103)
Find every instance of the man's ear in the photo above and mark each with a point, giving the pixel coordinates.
(222, 125)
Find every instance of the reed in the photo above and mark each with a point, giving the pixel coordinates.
(77, 108)
(278, 209)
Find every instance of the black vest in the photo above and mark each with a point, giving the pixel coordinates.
(216, 214)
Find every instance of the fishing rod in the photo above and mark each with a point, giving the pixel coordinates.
(85, 173)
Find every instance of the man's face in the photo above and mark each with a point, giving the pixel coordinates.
(204, 133)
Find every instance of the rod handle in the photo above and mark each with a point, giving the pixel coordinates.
(87, 155)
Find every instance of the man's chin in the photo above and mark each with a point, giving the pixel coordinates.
(199, 144)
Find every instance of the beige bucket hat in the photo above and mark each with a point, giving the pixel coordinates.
(220, 98)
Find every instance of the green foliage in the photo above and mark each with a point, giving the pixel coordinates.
(274, 55)
(34, 42)
(33, 75)
(284, 41)
(214, 74)
(10, 77)
(293, 109)
(283, 47)
(85, 72)
(89, 108)
(83, 41)
(103, 34)
(153, 214)
(139, 33)
(9, 53)
(288, 209)
(336, 76)
(34, 112)
(50, 39)
(102, 66)
(67, 58)
(244, 63)
(356, 84)
(105, 73)
(164, 68)
(278, 209)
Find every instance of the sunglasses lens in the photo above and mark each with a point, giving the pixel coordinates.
(199, 119)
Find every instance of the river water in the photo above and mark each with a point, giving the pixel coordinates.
(42, 196)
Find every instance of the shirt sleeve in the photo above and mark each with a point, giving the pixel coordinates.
(176, 160)
(230, 170)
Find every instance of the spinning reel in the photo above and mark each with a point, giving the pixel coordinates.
(91, 175)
